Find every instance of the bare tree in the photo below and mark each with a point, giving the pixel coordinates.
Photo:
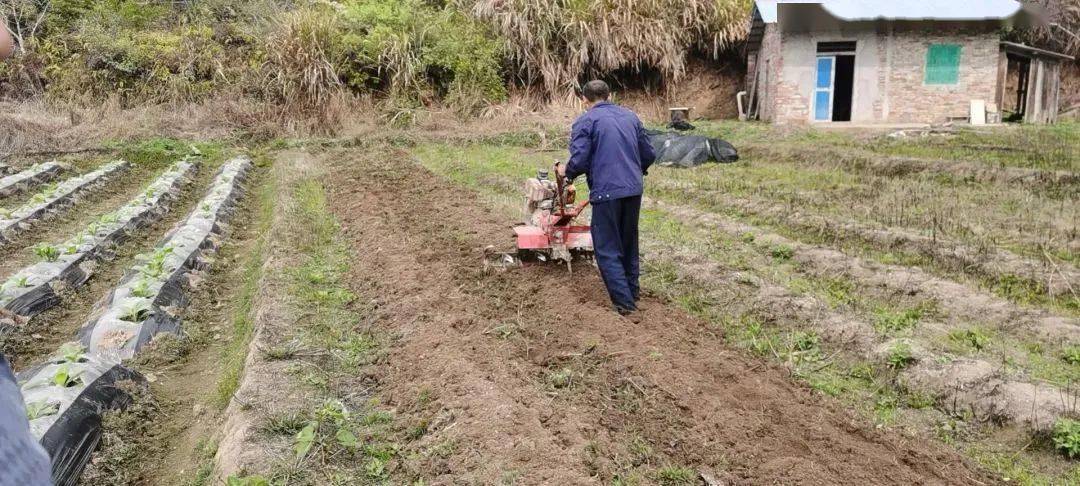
(24, 19)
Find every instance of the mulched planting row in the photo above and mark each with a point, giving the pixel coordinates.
(149, 298)
(38, 287)
(31, 177)
(68, 393)
(53, 201)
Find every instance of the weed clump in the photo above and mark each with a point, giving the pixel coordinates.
(1066, 437)
(899, 356)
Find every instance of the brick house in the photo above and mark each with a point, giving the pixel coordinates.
(893, 61)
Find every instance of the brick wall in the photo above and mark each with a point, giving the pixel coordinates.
(890, 83)
(910, 100)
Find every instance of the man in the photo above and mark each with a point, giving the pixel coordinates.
(608, 144)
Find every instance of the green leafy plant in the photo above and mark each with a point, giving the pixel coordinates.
(72, 352)
(304, 440)
(142, 289)
(155, 263)
(887, 321)
(562, 378)
(255, 480)
(136, 312)
(36, 410)
(1067, 437)
(5, 213)
(64, 377)
(47, 253)
(1071, 355)
(899, 356)
(974, 338)
(782, 252)
(676, 476)
(22, 281)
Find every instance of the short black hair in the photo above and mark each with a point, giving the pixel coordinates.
(595, 90)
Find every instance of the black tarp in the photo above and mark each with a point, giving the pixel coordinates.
(678, 150)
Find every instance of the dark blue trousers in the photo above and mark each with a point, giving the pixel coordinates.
(615, 243)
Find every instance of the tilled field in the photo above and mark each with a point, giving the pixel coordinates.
(867, 316)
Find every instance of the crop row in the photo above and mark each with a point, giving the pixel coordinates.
(70, 264)
(150, 295)
(958, 382)
(54, 199)
(993, 262)
(66, 395)
(37, 174)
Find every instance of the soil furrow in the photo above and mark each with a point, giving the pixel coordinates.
(898, 166)
(959, 301)
(1056, 278)
(665, 379)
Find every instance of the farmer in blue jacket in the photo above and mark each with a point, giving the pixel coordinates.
(608, 144)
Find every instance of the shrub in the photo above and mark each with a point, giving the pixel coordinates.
(414, 50)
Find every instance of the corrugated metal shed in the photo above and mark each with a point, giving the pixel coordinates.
(857, 10)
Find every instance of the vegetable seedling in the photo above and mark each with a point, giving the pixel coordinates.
(47, 253)
(72, 352)
(136, 312)
(64, 377)
(36, 410)
(142, 289)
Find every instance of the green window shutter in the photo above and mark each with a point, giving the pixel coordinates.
(943, 64)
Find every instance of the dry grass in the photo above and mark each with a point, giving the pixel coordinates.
(556, 42)
(300, 73)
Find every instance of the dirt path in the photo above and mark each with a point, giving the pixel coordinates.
(528, 376)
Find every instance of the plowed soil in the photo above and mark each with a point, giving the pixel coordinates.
(528, 376)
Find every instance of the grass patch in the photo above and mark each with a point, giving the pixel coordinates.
(235, 352)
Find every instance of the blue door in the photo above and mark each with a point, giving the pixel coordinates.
(823, 88)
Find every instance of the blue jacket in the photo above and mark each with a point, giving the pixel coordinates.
(609, 145)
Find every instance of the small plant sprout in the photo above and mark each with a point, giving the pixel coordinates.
(72, 352)
(64, 377)
(975, 338)
(899, 356)
(562, 378)
(71, 249)
(47, 253)
(5, 213)
(155, 263)
(1067, 437)
(22, 281)
(782, 252)
(142, 289)
(136, 311)
(36, 410)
